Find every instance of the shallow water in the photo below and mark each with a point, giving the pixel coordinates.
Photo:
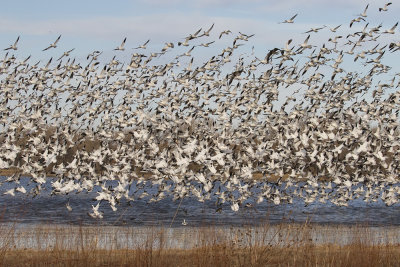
(51, 209)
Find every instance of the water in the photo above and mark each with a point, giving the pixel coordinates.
(52, 209)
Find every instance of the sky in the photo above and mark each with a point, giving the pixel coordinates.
(89, 25)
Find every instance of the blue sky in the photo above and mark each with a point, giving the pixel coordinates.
(101, 25)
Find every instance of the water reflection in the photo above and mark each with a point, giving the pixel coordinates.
(50, 209)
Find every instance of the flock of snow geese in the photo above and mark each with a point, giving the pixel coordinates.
(315, 122)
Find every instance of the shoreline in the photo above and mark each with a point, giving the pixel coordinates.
(269, 245)
(45, 236)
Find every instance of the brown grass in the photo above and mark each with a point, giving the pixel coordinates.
(218, 255)
(282, 245)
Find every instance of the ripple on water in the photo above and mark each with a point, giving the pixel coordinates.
(45, 208)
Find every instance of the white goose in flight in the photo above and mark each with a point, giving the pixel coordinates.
(196, 128)
(66, 54)
(143, 46)
(121, 46)
(364, 14)
(96, 214)
(13, 46)
(385, 7)
(53, 45)
(291, 20)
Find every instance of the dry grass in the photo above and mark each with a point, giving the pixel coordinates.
(282, 245)
(218, 255)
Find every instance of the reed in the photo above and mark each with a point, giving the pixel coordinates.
(268, 245)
